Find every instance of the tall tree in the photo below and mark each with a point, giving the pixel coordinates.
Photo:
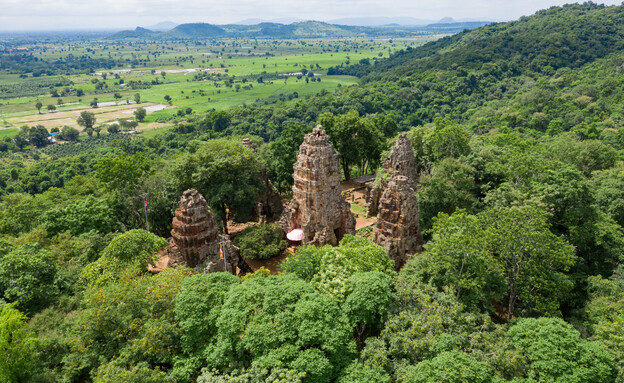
(359, 141)
(534, 258)
(38, 136)
(86, 119)
(140, 114)
(227, 174)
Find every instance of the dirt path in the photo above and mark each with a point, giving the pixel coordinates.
(163, 262)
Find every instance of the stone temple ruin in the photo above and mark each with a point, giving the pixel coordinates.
(195, 239)
(400, 162)
(317, 206)
(398, 230)
(395, 202)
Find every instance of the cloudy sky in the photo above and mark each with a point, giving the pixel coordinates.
(118, 14)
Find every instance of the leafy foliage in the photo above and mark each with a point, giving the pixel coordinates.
(128, 253)
(227, 175)
(126, 324)
(261, 242)
(329, 268)
(281, 321)
(27, 276)
(556, 351)
(18, 345)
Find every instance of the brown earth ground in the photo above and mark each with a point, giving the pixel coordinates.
(102, 114)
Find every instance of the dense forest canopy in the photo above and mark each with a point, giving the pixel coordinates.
(517, 133)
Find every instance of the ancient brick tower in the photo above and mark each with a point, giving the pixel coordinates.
(193, 228)
(398, 229)
(317, 205)
(195, 239)
(400, 162)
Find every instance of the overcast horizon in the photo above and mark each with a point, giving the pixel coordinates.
(65, 15)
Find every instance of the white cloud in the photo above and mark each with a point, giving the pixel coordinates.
(108, 14)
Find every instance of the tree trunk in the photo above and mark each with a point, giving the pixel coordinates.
(346, 170)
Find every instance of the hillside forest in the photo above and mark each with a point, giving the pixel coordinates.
(518, 133)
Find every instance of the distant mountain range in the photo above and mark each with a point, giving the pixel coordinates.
(370, 21)
(283, 20)
(301, 29)
(163, 26)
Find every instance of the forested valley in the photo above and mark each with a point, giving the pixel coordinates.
(517, 132)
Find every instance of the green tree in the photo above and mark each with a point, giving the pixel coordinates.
(116, 371)
(605, 313)
(140, 114)
(329, 268)
(358, 372)
(18, 345)
(82, 216)
(137, 98)
(450, 186)
(127, 327)
(281, 154)
(127, 254)
(113, 129)
(585, 155)
(457, 257)
(226, 173)
(555, 352)
(451, 367)
(253, 374)
(366, 306)
(128, 124)
(38, 106)
(123, 173)
(280, 321)
(38, 136)
(422, 322)
(608, 189)
(27, 276)
(420, 137)
(86, 120)
(534, 258)
(357, 140)
(198, 305)
(449, 139)
(261, 242)
(69, 134)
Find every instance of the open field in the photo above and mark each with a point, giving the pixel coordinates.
(187, 77)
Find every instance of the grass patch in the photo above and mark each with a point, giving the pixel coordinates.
(10, 132)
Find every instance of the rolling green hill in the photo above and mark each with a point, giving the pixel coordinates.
(193, 31)
(138, 33)
(559, 37)
(554, 71)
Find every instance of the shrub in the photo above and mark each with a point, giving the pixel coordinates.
(261, 242)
